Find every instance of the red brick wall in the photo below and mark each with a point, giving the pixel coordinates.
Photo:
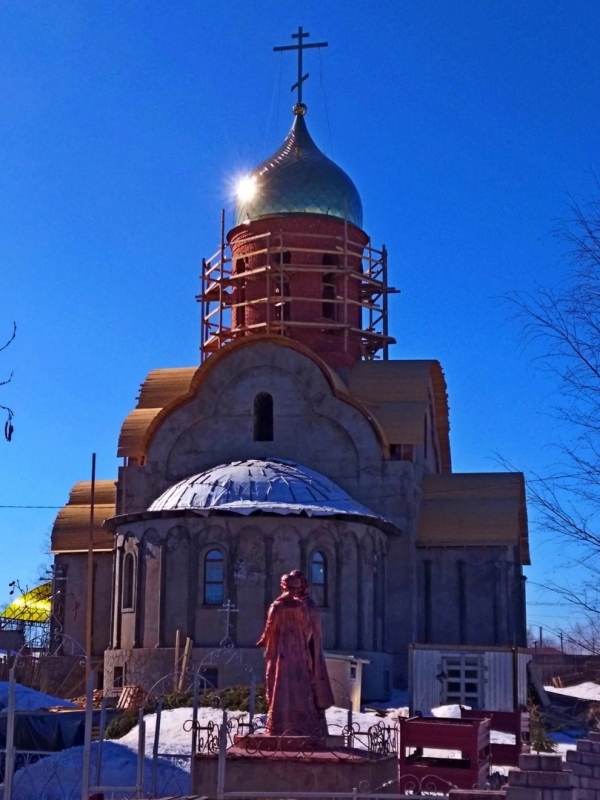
(313, 232)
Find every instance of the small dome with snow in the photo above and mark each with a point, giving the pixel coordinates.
(273, 486)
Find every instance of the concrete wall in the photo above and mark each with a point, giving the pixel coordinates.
(169, 591)
(69, 603)
(312, 427)
(475, 596)
(154, 668)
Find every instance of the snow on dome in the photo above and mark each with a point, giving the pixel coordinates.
(274, 486)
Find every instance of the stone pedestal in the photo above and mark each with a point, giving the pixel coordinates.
(282, 764)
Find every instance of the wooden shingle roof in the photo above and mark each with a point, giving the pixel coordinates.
(71, 529)
(397, 394)
(474, 509)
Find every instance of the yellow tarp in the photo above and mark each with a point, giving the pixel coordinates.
(33, 606)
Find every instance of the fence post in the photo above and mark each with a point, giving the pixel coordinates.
(222, 757)
(194, 728)
(101, 741)
(252, 705)
(9, 757)
(141, 753)
(155, 748)
(87, 737)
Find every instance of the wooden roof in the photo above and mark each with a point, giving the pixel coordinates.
(160, 388)
(71, 529)
(478, 509)
(401, 389)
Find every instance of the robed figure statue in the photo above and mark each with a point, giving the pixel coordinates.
(298, 688)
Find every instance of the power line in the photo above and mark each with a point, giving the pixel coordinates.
(55, 507)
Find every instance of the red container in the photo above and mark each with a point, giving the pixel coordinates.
(460, 757)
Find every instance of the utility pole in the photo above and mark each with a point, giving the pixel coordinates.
(90, 574)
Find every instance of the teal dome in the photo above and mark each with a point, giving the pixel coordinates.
(298, 179)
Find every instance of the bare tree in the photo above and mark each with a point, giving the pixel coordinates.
(561, 325)
(8, 426)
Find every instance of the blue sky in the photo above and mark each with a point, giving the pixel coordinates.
(123, 126)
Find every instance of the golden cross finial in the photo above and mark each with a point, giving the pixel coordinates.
(300, 47)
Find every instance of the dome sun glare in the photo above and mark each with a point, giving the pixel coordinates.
(246, 188)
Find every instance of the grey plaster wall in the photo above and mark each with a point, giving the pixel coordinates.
(169, 587)
(486, 610)
(312, 427)
(153, 668)
(69, 606)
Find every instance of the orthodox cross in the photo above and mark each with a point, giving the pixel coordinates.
(301, 35)
(229, 609)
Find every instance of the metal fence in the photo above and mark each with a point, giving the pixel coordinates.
(141, 770)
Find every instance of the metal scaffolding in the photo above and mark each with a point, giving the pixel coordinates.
(223, 316)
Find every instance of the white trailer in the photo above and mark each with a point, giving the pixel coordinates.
(491, 678)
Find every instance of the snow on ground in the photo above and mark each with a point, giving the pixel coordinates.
(584, 691)
(174, 739)
(29, 699)
(58, 777)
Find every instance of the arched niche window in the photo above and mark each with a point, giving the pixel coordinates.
(318, 577)
(263, 417)
(128, 596)
(240, 293)
(214, 578)
(328, 294)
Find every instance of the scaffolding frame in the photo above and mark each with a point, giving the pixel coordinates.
(218, 282)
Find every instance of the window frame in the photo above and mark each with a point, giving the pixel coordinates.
(264, 417)
(322, 586)
(128, 582)
(206, 582)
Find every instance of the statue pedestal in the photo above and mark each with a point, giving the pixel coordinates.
(295, 763)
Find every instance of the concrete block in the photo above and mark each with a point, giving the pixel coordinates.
(563, 794)
(574, 757)
(524, 793)
(584, 746)
(550, 762)
(550, 780)
(586, 794)
(591, 759)
(590, 783)
(582, 769)
(520, 777)
(595, 746)
(594, 736)
(529, 761)
(475, 794)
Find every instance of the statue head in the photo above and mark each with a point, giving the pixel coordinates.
(294, 583)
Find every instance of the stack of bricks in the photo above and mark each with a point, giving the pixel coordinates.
(542, 777)
(585, 763)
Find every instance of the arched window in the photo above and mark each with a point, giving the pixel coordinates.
(263, 417)
(214, 578)
(128, 582)
(328, 294)
(318, 578)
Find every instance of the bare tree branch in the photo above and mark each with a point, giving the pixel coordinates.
(561, 328)
(8, 426)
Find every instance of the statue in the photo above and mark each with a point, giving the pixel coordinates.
(298, 688)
